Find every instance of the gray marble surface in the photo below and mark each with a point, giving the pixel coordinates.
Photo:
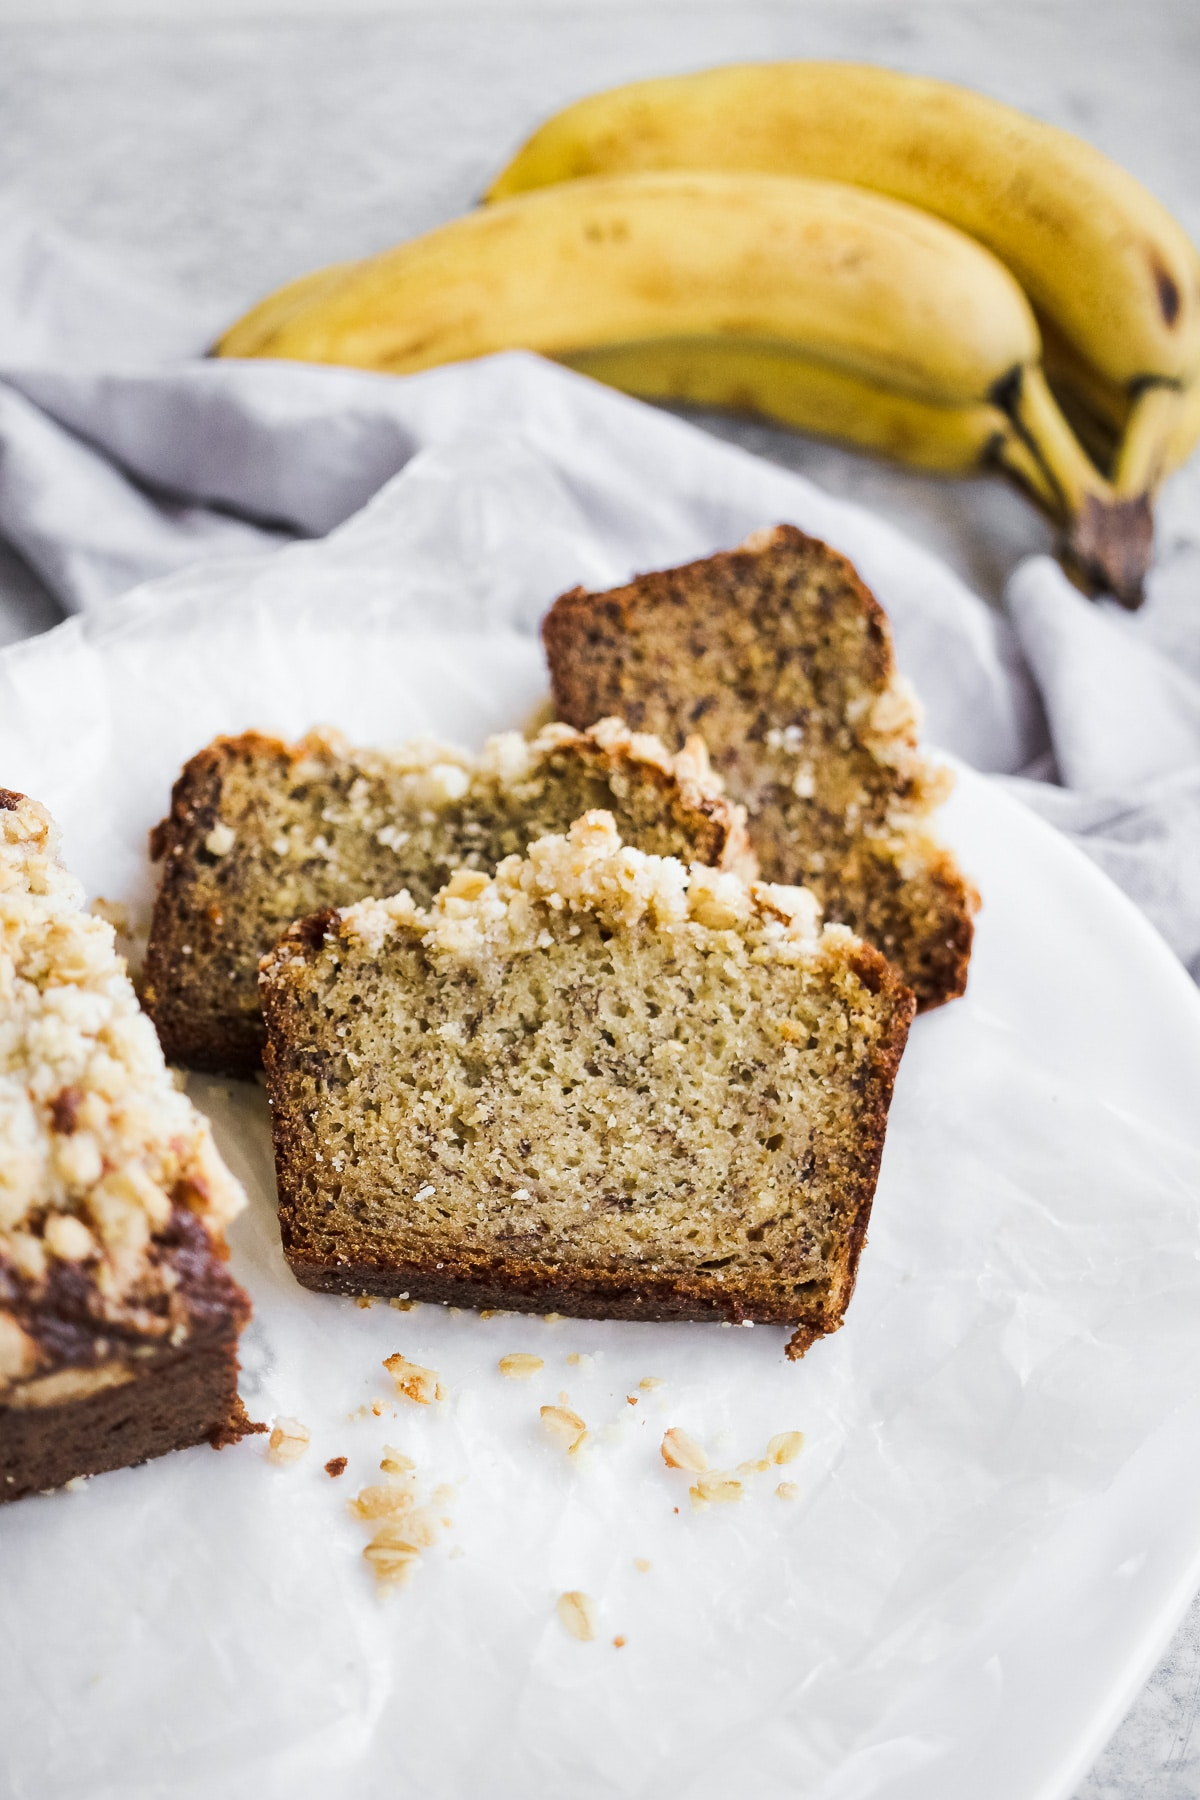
(229, 153)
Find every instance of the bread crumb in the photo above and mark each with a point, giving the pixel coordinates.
(679, 1451)
(642, 1564)
(365, 1301)
(394, 1462)
(716, 1487)
(631, 1399)
(288, 1441)
(520, 1366)
(577, 1614)
(415, 1383)
(785, 1446)
(787, 1490)
(564, 1425)
(336, 1466)
(618, 1643)
(383, 1501)
(392, 1558)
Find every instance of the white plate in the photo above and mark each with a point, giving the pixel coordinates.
(994, 1530)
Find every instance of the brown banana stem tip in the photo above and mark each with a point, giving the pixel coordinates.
(1110, 544)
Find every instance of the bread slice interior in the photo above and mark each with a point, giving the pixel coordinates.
(597, 1083)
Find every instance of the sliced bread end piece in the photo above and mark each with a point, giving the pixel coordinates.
(779, 655)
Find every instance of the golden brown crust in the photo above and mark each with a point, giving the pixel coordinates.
(746, 647)
(215, 1037)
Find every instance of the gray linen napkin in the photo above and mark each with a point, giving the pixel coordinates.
(125, 456)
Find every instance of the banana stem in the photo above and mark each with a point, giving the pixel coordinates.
(1109, 538)
(1145, 446)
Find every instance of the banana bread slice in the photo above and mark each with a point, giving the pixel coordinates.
(780, 656)
(118, 1318)
(596, 1083)
(261, 833)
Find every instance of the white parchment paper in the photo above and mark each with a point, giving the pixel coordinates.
(1027, 1316)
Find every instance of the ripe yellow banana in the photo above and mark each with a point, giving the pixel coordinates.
(839, 277)
(1114, 276)
(772, 382)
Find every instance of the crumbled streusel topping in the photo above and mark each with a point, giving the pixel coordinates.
(97, 1145)
(590, 870)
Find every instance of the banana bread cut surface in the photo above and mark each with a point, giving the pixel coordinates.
(118, 1317)
(779, 655)
(261, 833)
(597, 1083)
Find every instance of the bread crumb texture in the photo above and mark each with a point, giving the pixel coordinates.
(112, 1195)
(578, 1615)
(261, 833)
(782, 658)
(596, 1079)
(409, 1526)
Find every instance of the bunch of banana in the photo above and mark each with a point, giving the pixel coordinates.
(681, 240)
(1114, 280)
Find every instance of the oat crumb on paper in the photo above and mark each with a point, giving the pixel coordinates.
(642, 1564)
(382, 1501)
(787, 1490)
(681, 1451)
(618, 1643)
(785, 1446)
(650, 1381)
(414, 1382)
(406, 1527)
(520, 1366)
(393, 1560)
(578, 1615)
(288, 1441)
(565, 1426)
(716, 1487)
(336, 1466)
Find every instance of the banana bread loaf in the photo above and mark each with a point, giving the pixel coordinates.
(261, 833)
(596, 1083)
(118, 1318)
(780, 656)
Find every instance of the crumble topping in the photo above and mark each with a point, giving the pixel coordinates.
(590, 870)
(97, 1145)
